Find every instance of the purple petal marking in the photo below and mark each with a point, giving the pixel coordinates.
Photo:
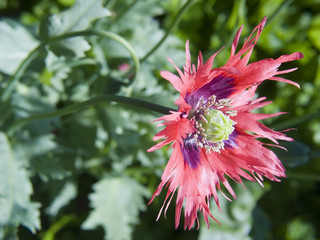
(190, 152)
(231, 142)
(220, 86)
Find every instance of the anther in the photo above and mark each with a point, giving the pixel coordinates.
(213, 126)
(203, 118)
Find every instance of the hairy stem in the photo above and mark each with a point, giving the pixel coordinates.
(88, 103)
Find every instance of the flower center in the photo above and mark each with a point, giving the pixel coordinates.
(213, 124)
(217, 126)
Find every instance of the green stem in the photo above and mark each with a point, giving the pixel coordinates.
(296, 121)
(175, 22)
(32, 55)
(19, 72)
(80, 62)
(93, 101)
(59, 225)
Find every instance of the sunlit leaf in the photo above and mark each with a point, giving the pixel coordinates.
(58, 68)
(116, 203)
(15, 190)
(15, 44)
(27, 101)
(77, 18)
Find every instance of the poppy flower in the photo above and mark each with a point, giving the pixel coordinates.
(214, 133)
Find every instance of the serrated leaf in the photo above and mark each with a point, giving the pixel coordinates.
(81, 135)
(15, 190)
(76, 18)
(27, 101)
(41, 153)
(116, 203)
(58, 68)
(15, 44)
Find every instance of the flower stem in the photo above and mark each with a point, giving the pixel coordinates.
(88, 103)
(19, 72)
(32, 55)
(175, 22)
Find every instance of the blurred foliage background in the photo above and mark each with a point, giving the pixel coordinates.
(86, 175)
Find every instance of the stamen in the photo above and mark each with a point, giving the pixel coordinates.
(203, 118)
(213, 125)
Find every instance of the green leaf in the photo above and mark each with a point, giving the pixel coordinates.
(81, 135)
(42, 154)
(144, 37)
(76, 18)
(116, 203)
(58, 68)
(29, 100)
(15, 190)
(15, 44)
